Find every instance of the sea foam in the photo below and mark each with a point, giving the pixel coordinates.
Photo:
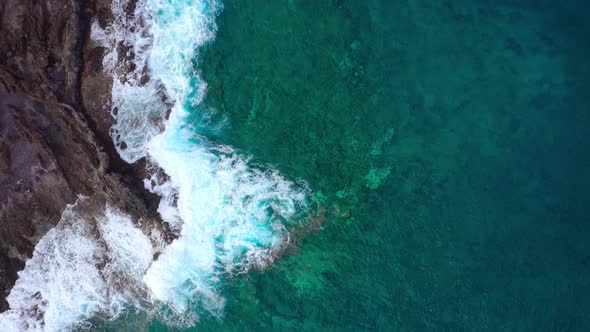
(76, 273)
(232, 216)
(138, 103)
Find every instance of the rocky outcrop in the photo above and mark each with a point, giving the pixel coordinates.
(54, 123)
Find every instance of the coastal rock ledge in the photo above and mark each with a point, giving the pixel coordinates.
(54, 127)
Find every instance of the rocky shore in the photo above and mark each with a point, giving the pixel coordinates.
(54, 127)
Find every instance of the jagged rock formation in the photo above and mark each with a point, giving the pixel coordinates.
(54, 122)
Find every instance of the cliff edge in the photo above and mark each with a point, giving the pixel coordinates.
(54, 127)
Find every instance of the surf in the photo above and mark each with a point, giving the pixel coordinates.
(76, 271)
(231, 216)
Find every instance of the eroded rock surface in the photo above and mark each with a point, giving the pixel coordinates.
(54, 127)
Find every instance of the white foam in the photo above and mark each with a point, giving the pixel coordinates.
(231, 215)
(234, 218)
(81, 268)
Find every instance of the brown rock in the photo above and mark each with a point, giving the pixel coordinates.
(54, 127)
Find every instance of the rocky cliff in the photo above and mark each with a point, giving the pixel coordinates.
(54, 126)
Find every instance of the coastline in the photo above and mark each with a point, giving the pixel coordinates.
(361, 173)
(54, 129)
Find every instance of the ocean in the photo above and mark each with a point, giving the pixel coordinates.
(354, 165)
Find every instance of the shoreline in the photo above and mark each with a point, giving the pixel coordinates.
(54, 129)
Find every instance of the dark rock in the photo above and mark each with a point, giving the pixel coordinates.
(55, 117)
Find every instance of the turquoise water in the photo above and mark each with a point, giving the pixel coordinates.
(443, 144)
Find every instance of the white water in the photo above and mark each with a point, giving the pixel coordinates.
(76, 272)
(230, 217)
(137, 108)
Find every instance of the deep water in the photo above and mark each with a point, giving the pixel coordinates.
(446, 142)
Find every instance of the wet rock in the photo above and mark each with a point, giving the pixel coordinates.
(55, 117)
